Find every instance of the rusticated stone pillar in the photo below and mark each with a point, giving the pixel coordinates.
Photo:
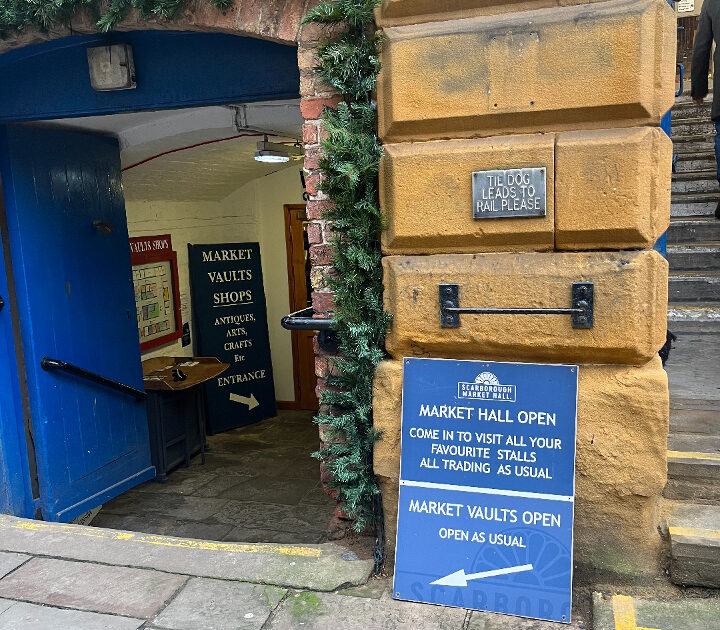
(576, 88)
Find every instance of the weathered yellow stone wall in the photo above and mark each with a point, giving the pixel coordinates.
(578, 89)
(544, 70)
(426, 195)
(630, 306)
(622, 426)
(612, 188)
(606, 189)
(403, 12)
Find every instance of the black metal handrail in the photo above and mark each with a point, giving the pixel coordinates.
(581, 311)
(46, 363)
(304, 320)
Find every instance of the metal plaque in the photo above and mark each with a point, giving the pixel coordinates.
(512, 192)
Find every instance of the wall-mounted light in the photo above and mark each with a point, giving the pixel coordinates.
(111, 67)
(274, 153)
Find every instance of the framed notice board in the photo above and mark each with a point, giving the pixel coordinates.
(157, 299)
(230, 316)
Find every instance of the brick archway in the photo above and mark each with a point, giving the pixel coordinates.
(278, 21)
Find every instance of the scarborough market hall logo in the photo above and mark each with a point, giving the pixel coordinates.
(487, 387)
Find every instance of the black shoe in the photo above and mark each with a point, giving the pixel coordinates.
(717, 211)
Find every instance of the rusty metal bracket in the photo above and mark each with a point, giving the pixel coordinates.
(582, 309)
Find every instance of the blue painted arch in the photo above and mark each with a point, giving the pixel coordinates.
(173, 69)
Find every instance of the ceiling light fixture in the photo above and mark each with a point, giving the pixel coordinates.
(274, 153)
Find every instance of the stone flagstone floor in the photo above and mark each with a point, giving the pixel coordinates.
(258, 484)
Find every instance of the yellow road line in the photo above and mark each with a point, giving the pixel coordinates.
(691, 455)
(624, 613)
(164, 541)
(696, 532)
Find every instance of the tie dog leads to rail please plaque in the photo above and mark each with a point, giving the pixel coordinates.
(514, 192)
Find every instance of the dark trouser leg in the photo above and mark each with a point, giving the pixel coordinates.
(717, 161)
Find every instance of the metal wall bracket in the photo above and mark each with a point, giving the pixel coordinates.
(581, 311)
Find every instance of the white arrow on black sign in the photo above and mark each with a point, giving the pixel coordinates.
(251, 402)
(460, 578)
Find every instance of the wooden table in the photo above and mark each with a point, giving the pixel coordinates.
(176, 409)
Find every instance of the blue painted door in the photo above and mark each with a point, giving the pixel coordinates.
(75, 303)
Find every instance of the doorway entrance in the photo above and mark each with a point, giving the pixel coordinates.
(71, 297)
(296, 226)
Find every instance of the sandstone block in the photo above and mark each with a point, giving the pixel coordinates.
(630, 306)
(621, 464)
(612, 188)
(403, 12)
(597, 65)
(426, 195)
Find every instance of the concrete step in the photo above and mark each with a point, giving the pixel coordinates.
(687, 109)
(693, 127)
(693, 476)
(694, 204)
(694, 287)
(694, 143)
(701, 230)
(694, 532)
(679, 442)
(695, 181)
(692, 162)
(694, 257)
(694, 417)
(694, 317)
(618, 611)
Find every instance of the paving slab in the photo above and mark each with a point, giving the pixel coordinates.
(10, 561)
(262, 488)
(24, 616)
(183, 481)
(692, 367)
(621, 612)
(206, 604)
(330, 611)
(177, 506)
(323, 567)
(286, 518)
(249, 535)
(5, 604)
(494, 621)
(93, 587)
(164, 526)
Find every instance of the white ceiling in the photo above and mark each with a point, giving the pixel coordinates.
(194, 154)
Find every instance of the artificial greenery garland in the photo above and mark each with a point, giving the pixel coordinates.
(351, 157)
(15, 15)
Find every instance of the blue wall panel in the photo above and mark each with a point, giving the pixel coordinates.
(173, 69)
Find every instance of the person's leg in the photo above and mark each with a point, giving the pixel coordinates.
(717, 162)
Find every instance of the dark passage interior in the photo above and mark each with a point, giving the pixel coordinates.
(258, 484)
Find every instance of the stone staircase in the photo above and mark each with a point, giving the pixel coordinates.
(694, 235)
(693, 487)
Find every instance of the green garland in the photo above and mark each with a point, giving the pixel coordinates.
(16, 15)
(351, 156)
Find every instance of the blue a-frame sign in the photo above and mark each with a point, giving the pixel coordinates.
(487, 483)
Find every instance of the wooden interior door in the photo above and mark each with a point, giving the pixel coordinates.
(299, 281)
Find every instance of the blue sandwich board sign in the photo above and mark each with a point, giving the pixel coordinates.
(487, 482)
